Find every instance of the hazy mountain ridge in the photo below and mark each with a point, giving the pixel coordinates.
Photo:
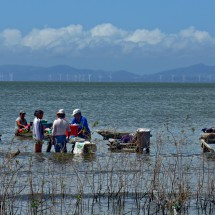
(194, 73)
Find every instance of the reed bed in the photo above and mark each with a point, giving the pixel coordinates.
(111, 183)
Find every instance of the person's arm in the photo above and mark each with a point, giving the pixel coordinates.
(85, 124)
(19, 124)
(69, 131)
(86, 131)
(54, 128)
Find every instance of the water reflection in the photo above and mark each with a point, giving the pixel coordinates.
(68, 158)
(38, 158)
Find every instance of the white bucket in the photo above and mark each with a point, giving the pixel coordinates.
(145, 137)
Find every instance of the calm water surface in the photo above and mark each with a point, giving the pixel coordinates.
(171, 111)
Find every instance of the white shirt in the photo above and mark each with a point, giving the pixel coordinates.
(37, 129)
(60, 126)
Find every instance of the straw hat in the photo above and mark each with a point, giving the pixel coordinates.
(61, 111)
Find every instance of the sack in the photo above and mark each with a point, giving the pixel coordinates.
(127, 138)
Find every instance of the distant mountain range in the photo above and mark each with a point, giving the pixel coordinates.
(194, 73)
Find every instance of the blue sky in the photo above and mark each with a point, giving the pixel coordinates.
(140, 36)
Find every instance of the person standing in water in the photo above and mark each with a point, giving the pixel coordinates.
(60, 126)
(81, 121)
(38, 131)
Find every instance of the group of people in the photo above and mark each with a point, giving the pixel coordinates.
(60, 129)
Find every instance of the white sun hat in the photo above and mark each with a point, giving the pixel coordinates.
(76, 111)
(61, 111)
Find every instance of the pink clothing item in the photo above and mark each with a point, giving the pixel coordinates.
(60, 126)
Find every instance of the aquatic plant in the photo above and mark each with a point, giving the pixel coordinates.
(110, 183)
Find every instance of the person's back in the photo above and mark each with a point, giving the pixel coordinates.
(60, 126)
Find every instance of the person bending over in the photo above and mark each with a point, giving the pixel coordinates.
(81, 121)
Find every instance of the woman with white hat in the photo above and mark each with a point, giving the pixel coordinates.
(60, 126)
(81, 121)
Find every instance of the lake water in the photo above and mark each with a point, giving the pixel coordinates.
(175, 113)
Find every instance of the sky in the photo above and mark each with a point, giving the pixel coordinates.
(139, 36)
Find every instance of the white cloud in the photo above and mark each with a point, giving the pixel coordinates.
(106, 30)
(188, 40)
(145, 36)
(105, 39)
(51, 38)
(11, 37)
(192, 33)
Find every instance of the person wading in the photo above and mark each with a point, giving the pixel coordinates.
(38, 131)
(81, 121)
(60, 126)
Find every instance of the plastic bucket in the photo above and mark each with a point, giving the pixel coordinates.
(74, 130)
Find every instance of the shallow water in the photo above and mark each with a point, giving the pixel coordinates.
(175, 113)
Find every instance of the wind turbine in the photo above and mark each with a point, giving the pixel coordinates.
(110, 77)
(183, 78)
(11, 76)
(2, 76)
(210, 78)
(100, 78)
(172, 78)
(199, 78)
(89, 77)
(50, 77)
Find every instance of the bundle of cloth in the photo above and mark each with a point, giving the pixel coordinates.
(127, 138)
(209, 130)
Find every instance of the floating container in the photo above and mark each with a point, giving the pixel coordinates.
(43, 121)
(46, 125)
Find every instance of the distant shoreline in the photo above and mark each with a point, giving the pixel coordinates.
(199, 73)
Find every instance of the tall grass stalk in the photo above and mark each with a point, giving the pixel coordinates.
(117, 183)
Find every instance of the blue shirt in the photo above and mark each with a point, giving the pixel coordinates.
(81, 125)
